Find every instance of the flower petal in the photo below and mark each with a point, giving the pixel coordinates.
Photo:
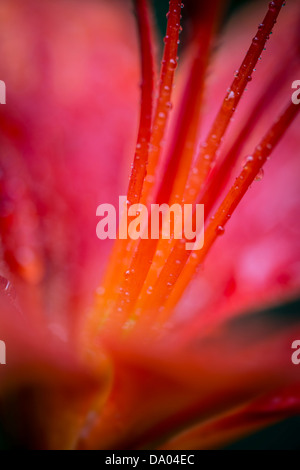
(70, 119)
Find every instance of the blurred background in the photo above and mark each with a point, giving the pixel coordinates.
(161, 6)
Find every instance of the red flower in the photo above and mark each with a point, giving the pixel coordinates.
(167, 355)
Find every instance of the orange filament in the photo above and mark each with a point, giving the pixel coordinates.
(146, 250)
(183, 145)
(121, 251)
(137, 266)
(124, 250)
(163, 106)
(181, 155)
(220, 175)
(209, 149)
(216, 227)
(141, 156)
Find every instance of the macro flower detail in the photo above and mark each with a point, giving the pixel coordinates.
(143, 343)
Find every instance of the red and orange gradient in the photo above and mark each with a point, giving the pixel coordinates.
(163, 352)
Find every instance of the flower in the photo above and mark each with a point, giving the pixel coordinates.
(162, 356)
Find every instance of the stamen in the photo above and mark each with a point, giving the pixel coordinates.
(217, 182)
(163, 106)
(251, 170)
(121, 253)
(181, 153)
(124, 250)
(141, 156)
(209, 149)
(125, 286)
(220, 175)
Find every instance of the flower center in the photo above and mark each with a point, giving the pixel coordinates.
(146, 278)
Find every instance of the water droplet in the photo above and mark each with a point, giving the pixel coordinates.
(129, 324)
(220, 230)
(6, 287)
(259, 175)
(246, 160)
(173, 64)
